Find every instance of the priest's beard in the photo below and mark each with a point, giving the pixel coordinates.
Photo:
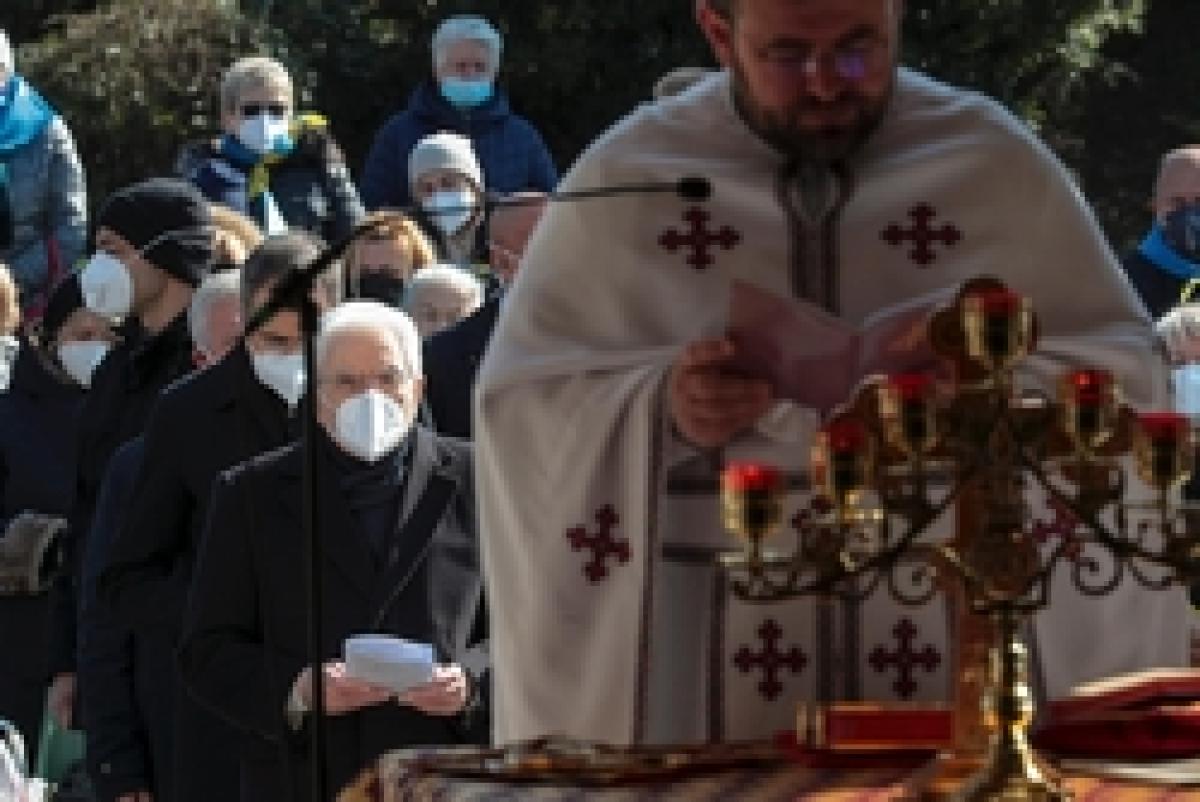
(784, 130)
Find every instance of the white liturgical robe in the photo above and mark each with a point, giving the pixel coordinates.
(600, 526)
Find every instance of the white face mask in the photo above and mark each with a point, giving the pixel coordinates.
(107, 286)
(283, 374)
(81, 358)
(263, 133)
(371, 424)
(451, 209)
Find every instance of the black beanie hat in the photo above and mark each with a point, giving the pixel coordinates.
(65, 298)
(172, 218)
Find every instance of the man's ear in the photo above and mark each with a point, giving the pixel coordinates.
(717, 30)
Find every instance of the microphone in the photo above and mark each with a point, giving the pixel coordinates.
(296, 284)
(690, 188)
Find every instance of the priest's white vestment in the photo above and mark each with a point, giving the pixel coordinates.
(600, 526)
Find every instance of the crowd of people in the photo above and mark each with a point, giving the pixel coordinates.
(151, 458)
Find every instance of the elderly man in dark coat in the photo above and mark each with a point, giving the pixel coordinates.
(242, 406)
(398, 531)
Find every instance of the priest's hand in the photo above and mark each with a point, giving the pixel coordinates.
(709, 403)
(446, 695)
(343, 693)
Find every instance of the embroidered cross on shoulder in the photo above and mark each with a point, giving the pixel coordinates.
(602, 544)
(699, 238)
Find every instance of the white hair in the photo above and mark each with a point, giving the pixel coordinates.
(371, 316)
(471, 28)
(214, 287)
(253, 72)
(447, 277)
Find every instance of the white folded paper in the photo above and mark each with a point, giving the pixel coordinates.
(389, 661)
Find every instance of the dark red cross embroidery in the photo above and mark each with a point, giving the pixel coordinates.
(1064, 526)
(904, 659)
(770, 660)
(602, 544)
(922, 235)
(699, 239)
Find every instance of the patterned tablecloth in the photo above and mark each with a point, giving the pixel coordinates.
(397, 780)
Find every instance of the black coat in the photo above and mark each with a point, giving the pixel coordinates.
(311, 186)
(38, 416)
(1158, 289)
(208, 422)
(451, 363)
(245, 635)
(126, 719)
(124, 388)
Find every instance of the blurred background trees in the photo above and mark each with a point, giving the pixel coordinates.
(1107, 82)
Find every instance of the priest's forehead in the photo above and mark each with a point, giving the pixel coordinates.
(1179, 176)
(816, 17)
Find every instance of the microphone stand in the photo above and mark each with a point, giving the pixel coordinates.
(294, 291)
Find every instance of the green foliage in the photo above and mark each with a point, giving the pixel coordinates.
(135, 80)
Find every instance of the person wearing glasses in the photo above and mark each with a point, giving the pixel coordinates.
(845, 187)
(398, 536)
(283, 171)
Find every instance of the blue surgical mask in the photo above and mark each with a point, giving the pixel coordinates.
(1181, 229)
(466, 92)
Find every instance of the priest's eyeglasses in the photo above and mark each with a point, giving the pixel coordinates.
(849, 62)
(348, 384)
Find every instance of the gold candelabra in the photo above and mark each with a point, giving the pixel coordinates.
(906, 449)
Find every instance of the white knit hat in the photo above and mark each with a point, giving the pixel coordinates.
(7, 60)
(444, 151)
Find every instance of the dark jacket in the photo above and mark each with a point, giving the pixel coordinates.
(1158, 289)
(311, 186)
(125, 720)
(451, 363)
(508, 147)
(208, 422)
(245, 635)
(124, 388)
(38, 416)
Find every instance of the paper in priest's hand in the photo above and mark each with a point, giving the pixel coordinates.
(389, 661)
(816, 359)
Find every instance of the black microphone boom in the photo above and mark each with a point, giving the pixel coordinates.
(689, 188)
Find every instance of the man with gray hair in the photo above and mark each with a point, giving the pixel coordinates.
(398, 529)
(440, 296)
(43, 199)
(282, 170)
(215, 316)
(461, 96)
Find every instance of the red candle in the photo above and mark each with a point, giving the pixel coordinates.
(998, 301)
(1090, 387)
(751, 477)
(1164, 427)
(846, 436)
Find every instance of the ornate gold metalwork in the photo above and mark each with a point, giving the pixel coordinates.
(876, 463)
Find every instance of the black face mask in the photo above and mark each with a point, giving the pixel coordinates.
(377, 285)
(1181, 230)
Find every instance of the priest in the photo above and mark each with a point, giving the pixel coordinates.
(839, 180)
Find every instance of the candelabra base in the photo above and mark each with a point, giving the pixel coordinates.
(991, 778)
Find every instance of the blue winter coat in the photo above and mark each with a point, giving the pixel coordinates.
(508, 147)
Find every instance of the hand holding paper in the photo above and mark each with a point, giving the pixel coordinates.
(811, 357)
